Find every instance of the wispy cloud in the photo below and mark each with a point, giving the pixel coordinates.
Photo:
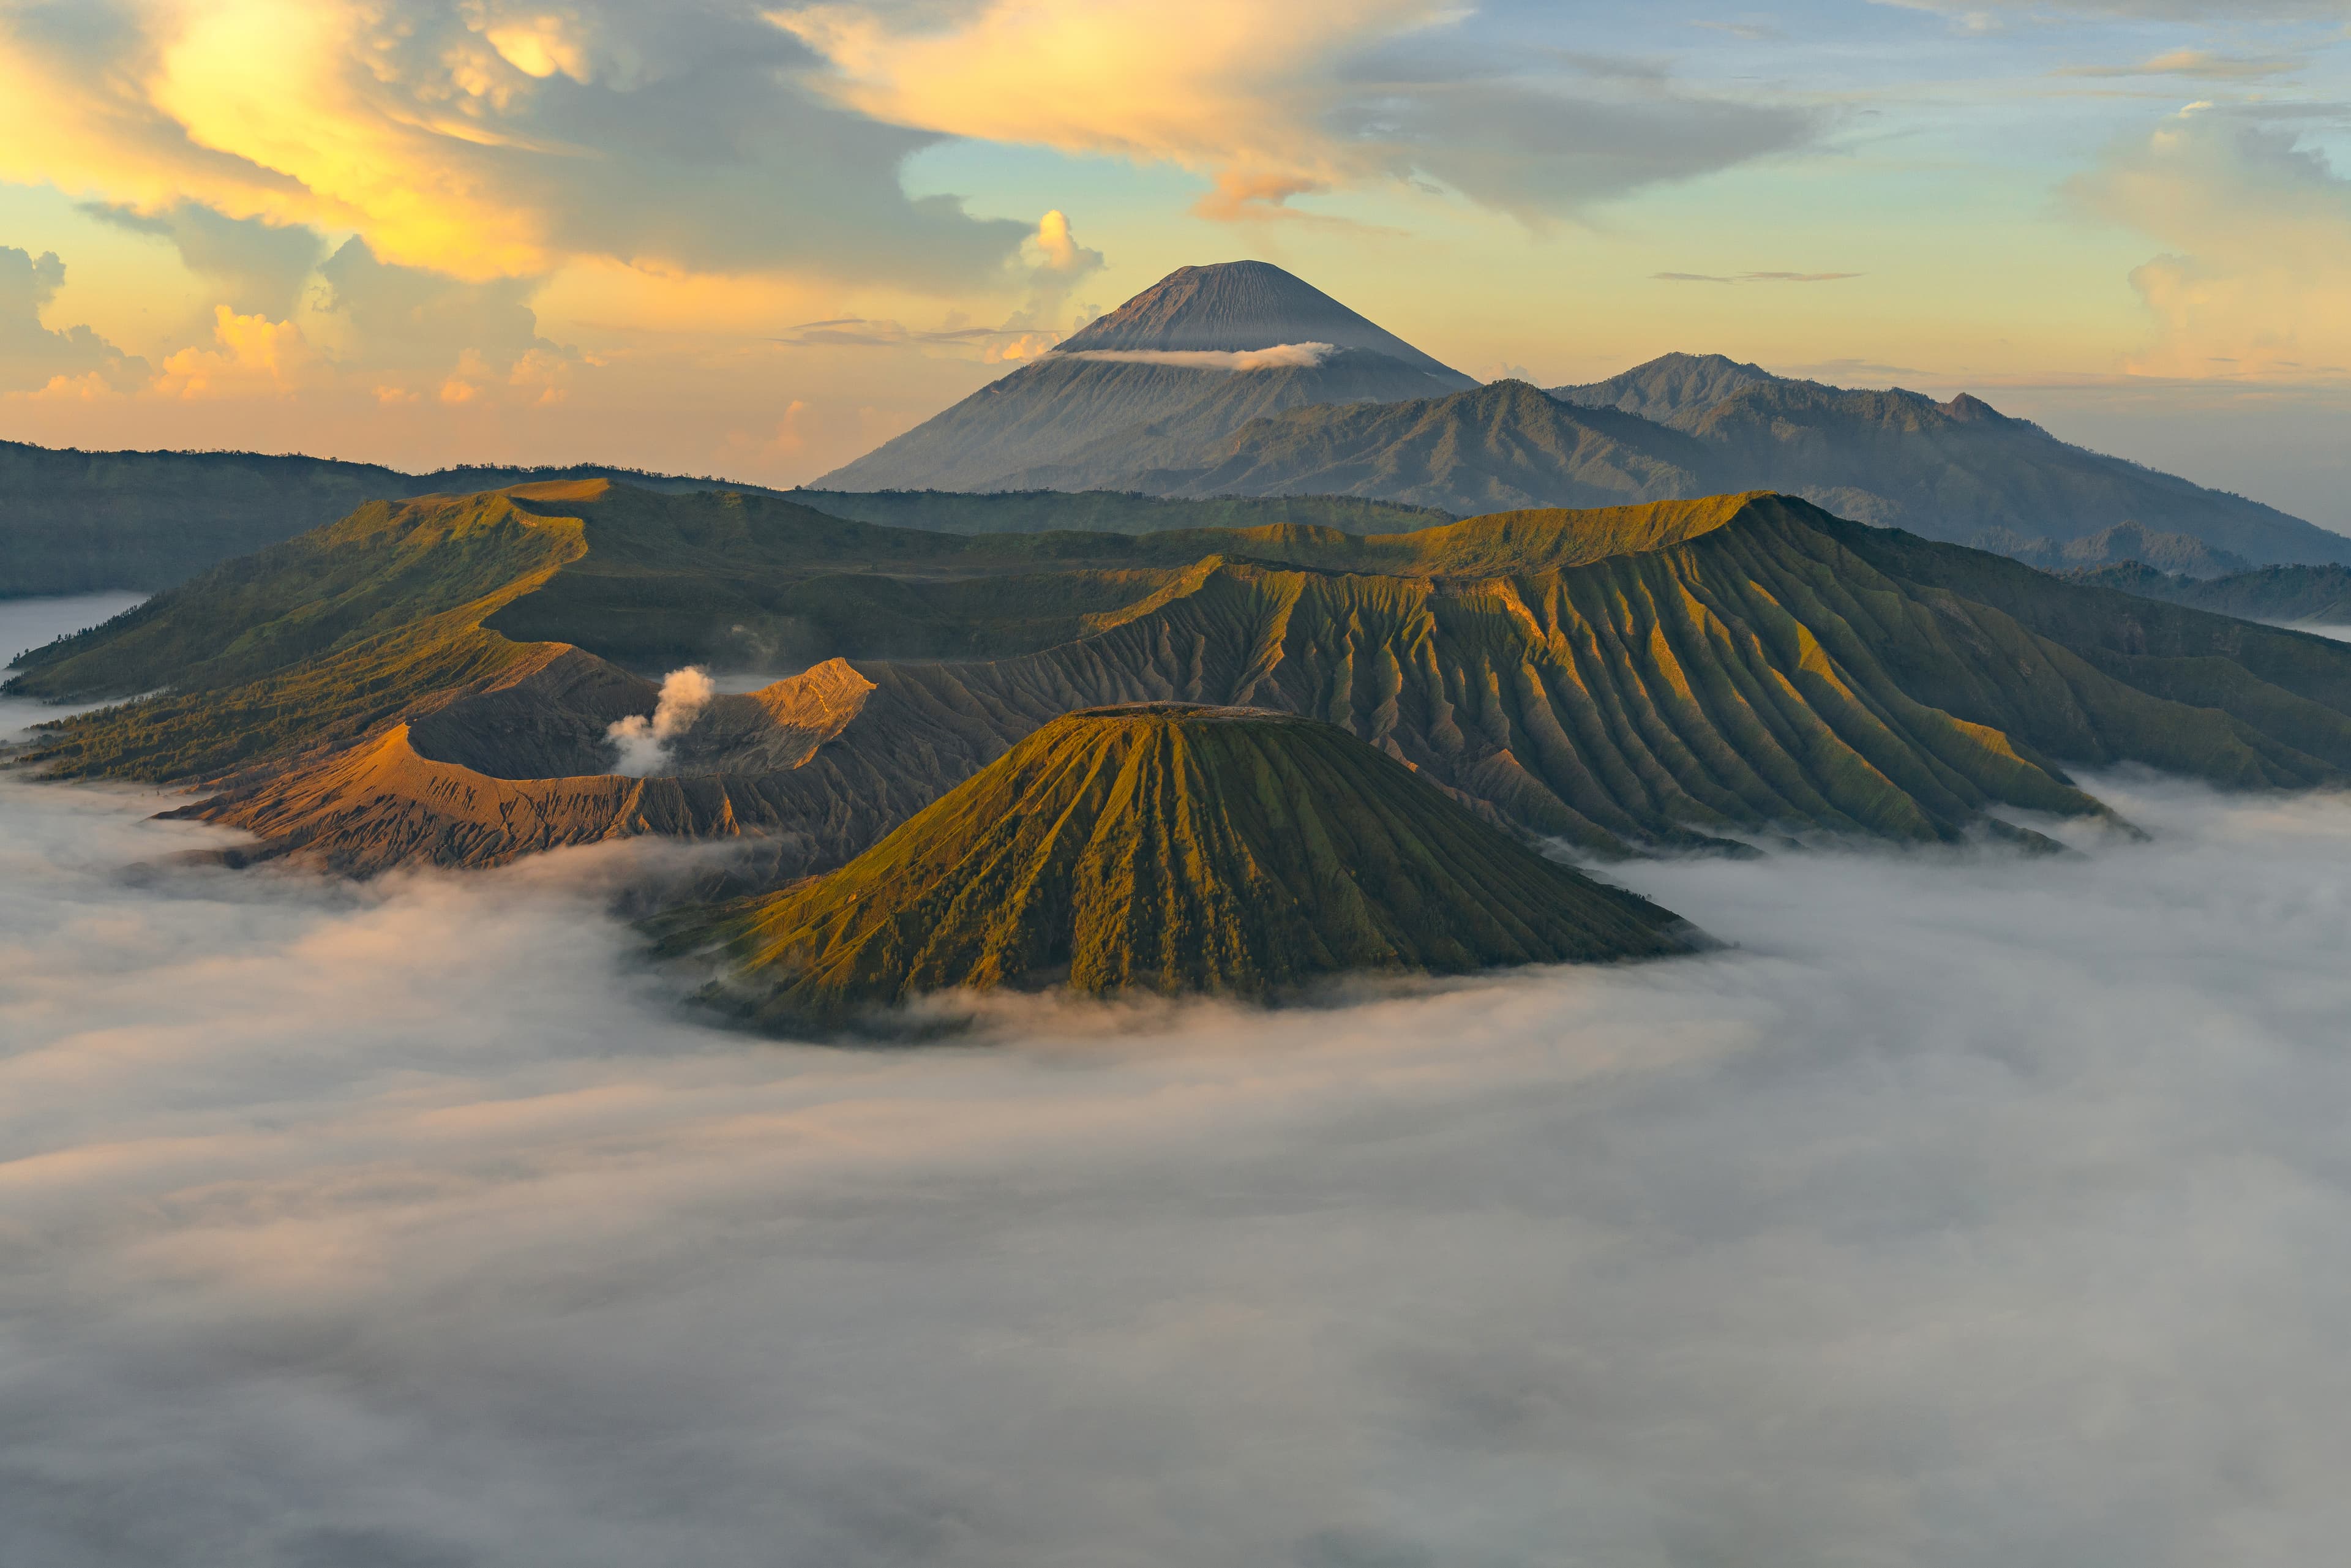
(1752, 32)
(1753, 277)
(2201, 63)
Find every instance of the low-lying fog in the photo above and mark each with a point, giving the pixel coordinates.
(1973, 1211)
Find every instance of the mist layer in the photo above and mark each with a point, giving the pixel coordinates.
(1969, 1211)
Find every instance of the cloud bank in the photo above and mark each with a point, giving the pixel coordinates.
(1275, 102)
(1972, 1212)
(2254, 281)
(478, 138)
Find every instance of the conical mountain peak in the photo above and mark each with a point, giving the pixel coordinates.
(1235, 306)
(1167, 848)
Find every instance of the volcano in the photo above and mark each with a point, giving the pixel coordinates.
(1237, 306)
(1168, 848)
(1189, 360)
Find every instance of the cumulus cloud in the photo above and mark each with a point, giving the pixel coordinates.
(72, 360)
(1972, 1212)
(387, 316)
(1281, 356)
(2254, 277)
(482, 137)
(1278, 102)
(250, 356)
(262, 266)
(1051, 266)
(1056, 265)
(643, 741)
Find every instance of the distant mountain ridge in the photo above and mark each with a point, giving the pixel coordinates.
(2283, 595)
(1959, 471)
(1359, 424)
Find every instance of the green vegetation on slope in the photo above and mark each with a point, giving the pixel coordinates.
(1678, 673)
(307, 643)
(1168, 848)
(74, 522)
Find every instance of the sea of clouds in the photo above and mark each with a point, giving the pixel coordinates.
(1970, 1210)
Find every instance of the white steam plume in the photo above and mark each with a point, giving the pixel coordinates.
(1281, 356)
(643, 743)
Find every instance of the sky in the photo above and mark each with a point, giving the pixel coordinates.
(722, 236)
(1965, 1210)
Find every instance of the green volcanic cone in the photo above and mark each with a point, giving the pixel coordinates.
(1169, 848)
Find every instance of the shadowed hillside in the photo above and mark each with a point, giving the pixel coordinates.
(2307, 595)
(1167, 848)
(437, 680)
(1497, 447)
(74, 522)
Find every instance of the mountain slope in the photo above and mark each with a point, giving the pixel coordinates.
(1496, 447)
(1241, 304)
(1169, 848)
(1958, 470)
(437, 680)
(1062, 422)
(1065, 420)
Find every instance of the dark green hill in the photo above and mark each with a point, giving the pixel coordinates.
(435, 680)
(1168, 848)
(80, 522)
(76, 522)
